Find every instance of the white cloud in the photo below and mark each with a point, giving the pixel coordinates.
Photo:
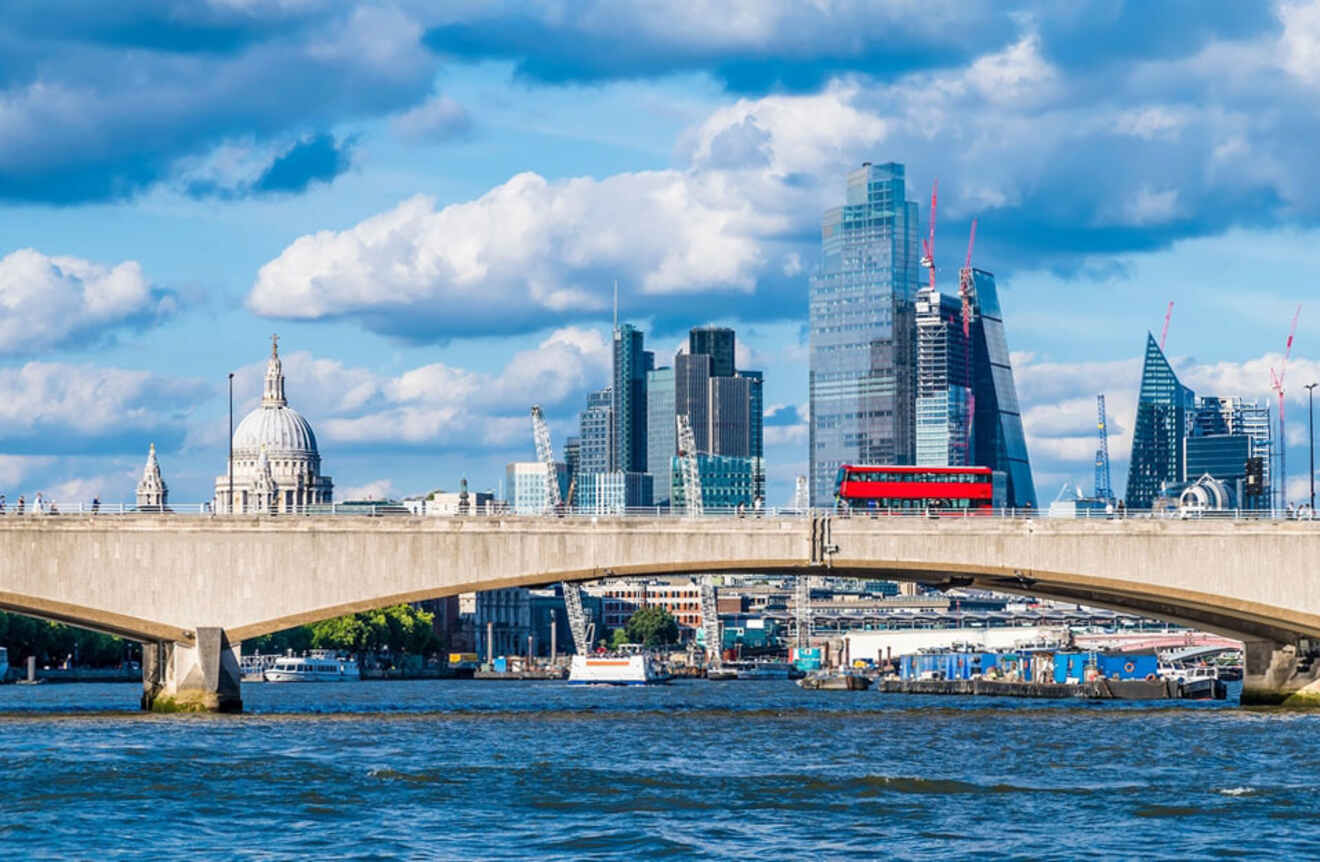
(438, 119)
(60, 301)
(48, 404)
(1300, 42)
(380, 489)
(439, 404)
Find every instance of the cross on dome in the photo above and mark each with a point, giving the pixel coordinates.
(273, 396)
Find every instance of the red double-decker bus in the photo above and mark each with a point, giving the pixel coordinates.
(906, 488)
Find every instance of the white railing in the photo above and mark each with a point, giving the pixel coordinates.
(377, 510)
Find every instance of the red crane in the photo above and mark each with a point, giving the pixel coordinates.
(1276, 383)
(1164, 333)
(928, 244)
(965, 284)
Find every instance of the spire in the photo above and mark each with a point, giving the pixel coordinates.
(274, 392)
(151, 491)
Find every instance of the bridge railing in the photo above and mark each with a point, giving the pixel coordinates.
(387, 510)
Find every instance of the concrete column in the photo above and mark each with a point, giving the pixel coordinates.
(202, 677)
(1280, 675)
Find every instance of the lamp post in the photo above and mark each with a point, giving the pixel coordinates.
(229, 505)
(1310, 428)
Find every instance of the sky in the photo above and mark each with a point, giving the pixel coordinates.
(429, 204)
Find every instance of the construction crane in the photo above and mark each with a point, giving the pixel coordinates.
(710, 612)
(1276, 383)
(928, 244)
(1103, 490)
(966, 289)
(577, 615)
(687, 459)
(1164, 333)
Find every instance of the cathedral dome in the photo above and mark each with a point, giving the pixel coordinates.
(276, 466)
(279, 430)
(274, 426)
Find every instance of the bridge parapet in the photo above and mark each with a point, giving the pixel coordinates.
(160, 578)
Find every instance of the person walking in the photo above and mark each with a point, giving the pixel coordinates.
(96, 505)
(39, 505)
(20, 504)
(2, 504)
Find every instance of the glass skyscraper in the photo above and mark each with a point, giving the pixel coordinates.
(862, 339)
(998, 441)
(717, 342)
(1164, 411)
(661, 430)
(595, 434)
(944, 381)
(631, 362)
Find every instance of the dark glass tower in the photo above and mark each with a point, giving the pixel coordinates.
(717, 342)
(998, 441)
(863, 353)
(1164, 410)
(631, 362)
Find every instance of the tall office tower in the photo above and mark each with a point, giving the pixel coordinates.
(863, 355)
(631, 362)
(757, 432)
(1224, 433)
(661, 430)
(998, 441)
(595, 437)
(572, 453)
(692, 394)
(730, 416)
(717, 342)
(1163, 411)
(944, 381)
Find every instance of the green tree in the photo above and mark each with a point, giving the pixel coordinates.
(618, 637)
(652, 626)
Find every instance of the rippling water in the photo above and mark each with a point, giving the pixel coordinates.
(511, 770)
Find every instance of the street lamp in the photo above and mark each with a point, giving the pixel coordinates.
(229, 506)
(1310, 427)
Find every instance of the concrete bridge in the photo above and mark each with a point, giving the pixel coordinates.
(192, 588)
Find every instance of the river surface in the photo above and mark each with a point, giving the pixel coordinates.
(507, 770)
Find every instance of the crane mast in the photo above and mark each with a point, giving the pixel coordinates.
(577, 616)
(1276, 383)
(710, 613)
(1103, 489)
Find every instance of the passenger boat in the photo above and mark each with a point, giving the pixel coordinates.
(636, 669)
(317, 666)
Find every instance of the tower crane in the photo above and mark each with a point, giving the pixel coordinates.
(1164, 333)
(710, 612)
(1276, 383)
(966, 289)
(928, 244)
(577, 615)
(1103, 490)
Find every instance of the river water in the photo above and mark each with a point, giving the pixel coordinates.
(462, 769)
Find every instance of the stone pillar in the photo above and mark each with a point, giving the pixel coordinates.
(201, 677)
(1280, 674)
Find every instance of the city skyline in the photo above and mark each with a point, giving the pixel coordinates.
(138, 275)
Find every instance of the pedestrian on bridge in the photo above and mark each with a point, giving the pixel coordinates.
(20, 504)
(96, 505)
(2, 504)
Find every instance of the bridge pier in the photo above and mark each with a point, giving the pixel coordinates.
(1281, 674)
(201, 677)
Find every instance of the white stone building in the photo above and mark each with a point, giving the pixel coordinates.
(276, 465)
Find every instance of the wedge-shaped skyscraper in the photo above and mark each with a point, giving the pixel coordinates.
(1164, 411)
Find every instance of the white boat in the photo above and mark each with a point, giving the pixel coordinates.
(636, 669)
(1184, 673)
(317, 666)
(763, 670)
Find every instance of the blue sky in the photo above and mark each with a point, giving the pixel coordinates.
(429, 205)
